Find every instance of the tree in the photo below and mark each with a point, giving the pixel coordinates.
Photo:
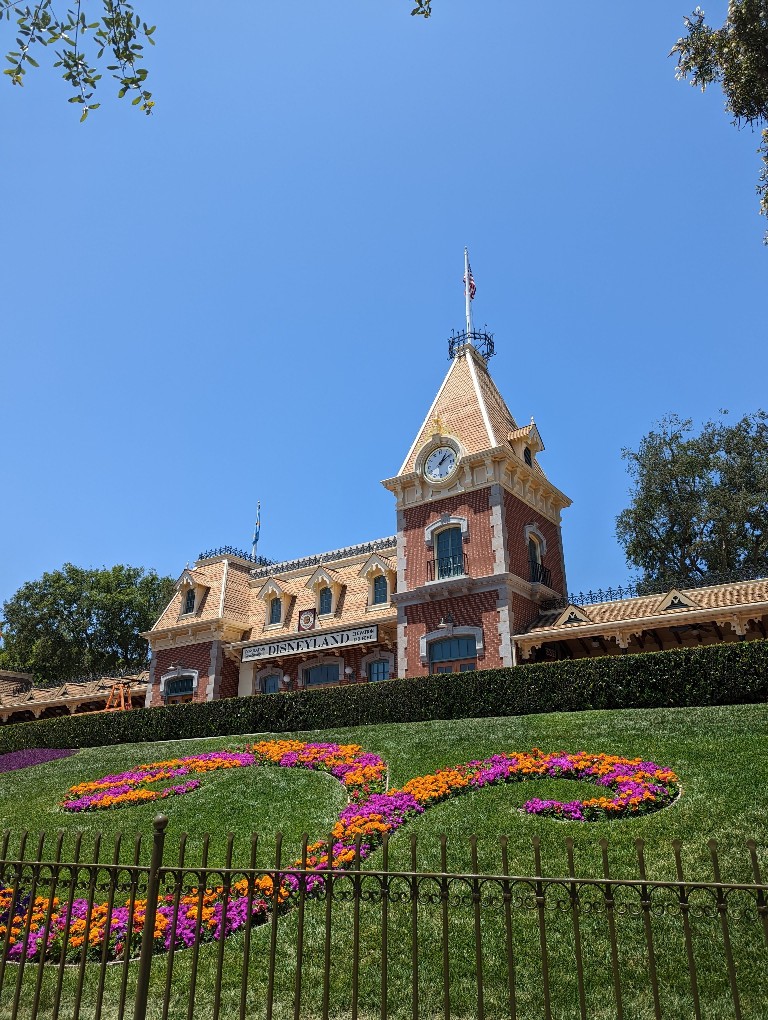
(699, 502)
(736, 57)
(75, 622)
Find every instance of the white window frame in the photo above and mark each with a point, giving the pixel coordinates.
(175, 674)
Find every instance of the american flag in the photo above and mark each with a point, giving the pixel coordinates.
(472, 287)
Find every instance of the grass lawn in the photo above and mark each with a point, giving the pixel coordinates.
(720, 755)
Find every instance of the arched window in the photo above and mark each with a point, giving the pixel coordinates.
(325, 674)
(324, 602)
(449, 555)
(378, 670)
(179, 689)
(453, 655)
(275, 610)
(539, 574)
(271, 684)
(527, 456)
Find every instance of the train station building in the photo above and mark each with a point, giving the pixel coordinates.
(473, 577)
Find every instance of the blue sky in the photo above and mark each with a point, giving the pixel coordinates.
(248, 295)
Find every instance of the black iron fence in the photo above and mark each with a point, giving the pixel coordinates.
(637, 589)
(444, 567)
(172, 937)
(541, 574)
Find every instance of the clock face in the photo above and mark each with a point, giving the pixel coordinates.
(440, 464)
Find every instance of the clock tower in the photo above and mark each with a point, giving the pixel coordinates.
(479, 544)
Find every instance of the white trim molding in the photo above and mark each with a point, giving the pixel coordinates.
(375, 656)
(452, 630)
(175, 673)
(446, 521)
(532, 531)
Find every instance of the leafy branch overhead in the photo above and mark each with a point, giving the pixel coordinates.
(94, 36)
(735, 57)
(85, 44)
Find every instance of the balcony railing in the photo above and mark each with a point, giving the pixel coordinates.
(541, 574)
(443, 567)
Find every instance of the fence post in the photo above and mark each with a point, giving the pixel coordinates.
(148, 935)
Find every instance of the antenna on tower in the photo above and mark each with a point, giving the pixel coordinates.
(256, 530)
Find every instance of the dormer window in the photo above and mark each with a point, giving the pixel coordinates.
(277, 603)
(381, 576)
(192, 593)
(527, 456)
(327, 587)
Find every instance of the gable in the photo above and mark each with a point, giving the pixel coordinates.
(675, 600)
(571, 615)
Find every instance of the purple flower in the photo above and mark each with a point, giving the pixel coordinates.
(15, 760)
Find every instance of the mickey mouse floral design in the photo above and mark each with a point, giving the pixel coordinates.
(627, 787)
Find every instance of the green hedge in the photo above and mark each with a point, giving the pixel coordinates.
(730, 674)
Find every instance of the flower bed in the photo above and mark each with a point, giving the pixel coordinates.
(628, 787)
(15, 760)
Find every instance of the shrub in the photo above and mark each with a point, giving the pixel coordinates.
(727, 674)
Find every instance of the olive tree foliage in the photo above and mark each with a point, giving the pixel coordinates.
(87, 38)
(78, 622)
(734, 56)
(699, 501)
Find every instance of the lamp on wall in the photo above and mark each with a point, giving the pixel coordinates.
(445, 622)
(286, 682)
(348, 671)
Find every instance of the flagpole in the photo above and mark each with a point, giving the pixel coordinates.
(467, 297)
(256, 530)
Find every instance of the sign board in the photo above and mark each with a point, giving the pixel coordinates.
(316, 643)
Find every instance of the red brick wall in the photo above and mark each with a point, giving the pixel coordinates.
(478, 610)
(517, 515)
(475, 507)
(188, 657)
(230, 677)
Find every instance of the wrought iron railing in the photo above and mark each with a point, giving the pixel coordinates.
(481, 340)
(361, 549)
(230, 550)
(441, 568)
(637, 589)
(191, 937)
(541, 574)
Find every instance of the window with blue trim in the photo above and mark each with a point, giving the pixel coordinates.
(321, 675)
(453, 655)
(380, 593)
(325, 602)
(449, 553)
(378, 670)
(189, 601)
(275, 610)
(271, 684)
(180, 687)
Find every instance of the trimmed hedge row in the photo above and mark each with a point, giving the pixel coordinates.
(729, 674)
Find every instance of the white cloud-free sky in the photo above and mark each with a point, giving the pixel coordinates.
(248, 295)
